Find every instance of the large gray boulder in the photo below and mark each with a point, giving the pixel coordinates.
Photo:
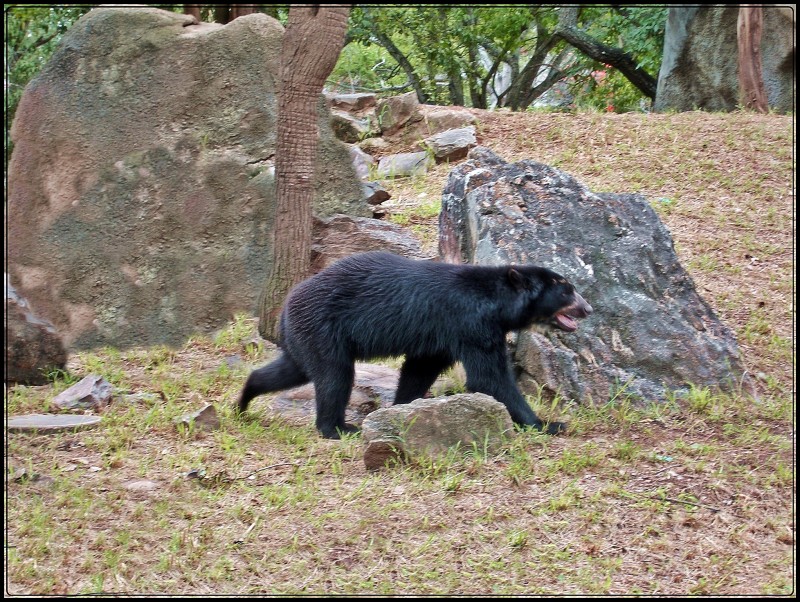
(353, 103)
(435, 119)
(349, 128)
(650, 331)
(141, 186)
(700, 69)
(404, 165)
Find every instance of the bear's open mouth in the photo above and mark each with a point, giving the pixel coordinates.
(567, 318)
(565, 322)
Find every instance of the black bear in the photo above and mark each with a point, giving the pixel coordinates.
(379, 304)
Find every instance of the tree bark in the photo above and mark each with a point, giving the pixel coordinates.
(751, 79)
(521, 85)
(569, 31)
(311, 45)
(240, 10)
(557, 72)
(192, 9)
(221, 13)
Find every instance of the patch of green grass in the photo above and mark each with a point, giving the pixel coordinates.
(664, 205)
(758, 326)
(424, 211)
(626, 451)
(518, 538)
(237, 334)
(701, 401)
(704, 263)
(572, 462)
(520, 467)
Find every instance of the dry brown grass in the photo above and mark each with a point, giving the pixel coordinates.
(680, 499)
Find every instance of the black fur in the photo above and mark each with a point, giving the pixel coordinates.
(378, 305)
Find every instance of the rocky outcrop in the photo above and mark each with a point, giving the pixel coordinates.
(362, 162)
(204, 419)
(435, 120)
(396, 112)
(402, 120)
(91, 393)
(451, 145)
(650, 332)
(51, 423)
(341, 235)
(700, 68)
(374, 193)
(141, 186)
(404, 165)
(353, 103)
(33, 347)
(349, 128)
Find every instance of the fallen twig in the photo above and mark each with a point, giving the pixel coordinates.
(261, 470)
(677, 501)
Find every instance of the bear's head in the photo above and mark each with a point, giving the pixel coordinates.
(549, 298)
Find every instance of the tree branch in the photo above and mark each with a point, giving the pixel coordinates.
(569, 31)
(521, 86)
(397, 55)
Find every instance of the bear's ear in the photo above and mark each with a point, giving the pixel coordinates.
(516, 279)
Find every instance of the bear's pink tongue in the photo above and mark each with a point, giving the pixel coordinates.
(566, 322)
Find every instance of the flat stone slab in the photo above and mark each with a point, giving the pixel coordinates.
(144, 485)
(51, 423)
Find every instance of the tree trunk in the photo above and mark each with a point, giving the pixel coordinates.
(455, 79)
(221, 13)
(477, 97)
(557, 71)
(751, 80)
(312, 42)
(192, 9)
(521, 85)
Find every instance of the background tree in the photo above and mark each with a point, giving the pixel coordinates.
(608, 55)
(311, 45)
(509, 56)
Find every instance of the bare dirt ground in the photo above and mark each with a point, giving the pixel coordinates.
(689, 498)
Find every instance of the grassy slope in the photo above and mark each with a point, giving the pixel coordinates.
(694, 498)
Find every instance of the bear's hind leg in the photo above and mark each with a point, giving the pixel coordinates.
(281, 374)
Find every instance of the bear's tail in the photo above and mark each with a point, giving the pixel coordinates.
(281, 374)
